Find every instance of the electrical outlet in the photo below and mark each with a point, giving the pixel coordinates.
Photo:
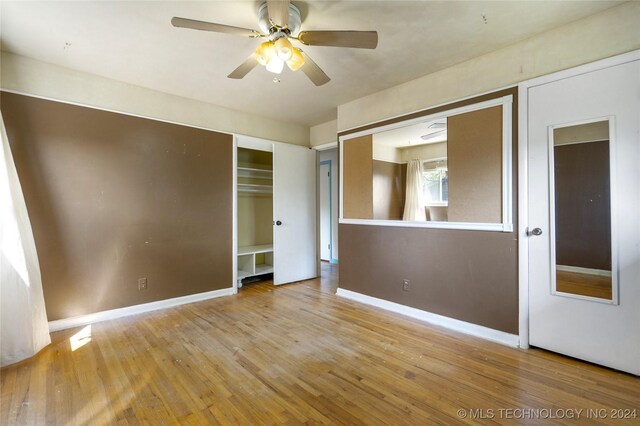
(142, 284)
(405, 285)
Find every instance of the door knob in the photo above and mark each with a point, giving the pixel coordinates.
(534, 232)
(278, 223)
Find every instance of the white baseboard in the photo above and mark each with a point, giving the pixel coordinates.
(451, 323)
(586, 271)
(80, 320)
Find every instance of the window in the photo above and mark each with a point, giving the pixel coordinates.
(435, 182)
(474, 193)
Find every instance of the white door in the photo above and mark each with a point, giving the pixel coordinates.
(584, 283)
(294, 213)
(325, 210)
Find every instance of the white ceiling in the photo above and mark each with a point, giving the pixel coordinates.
(134, 42)
(412, 135)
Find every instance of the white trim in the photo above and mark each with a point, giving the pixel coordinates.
(431, 117)
(80, 320)
(583, 69)
(435, 319)
(523, 218)
(551, 191)
(234, 239)
(340, 182)
(507, 166)
(467, 226)
(581, 270)
(131, 114)
(506, 225)
(440, 105)
(585, 298)
(613, 195)
(325, 146)
(258, 144)
(613, 209)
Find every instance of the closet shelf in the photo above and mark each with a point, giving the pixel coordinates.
(248, 172)
(262, 269)
(264, 248)
(251, 265)
(259, 189)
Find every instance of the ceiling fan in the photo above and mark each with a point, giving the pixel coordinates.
(279, 22)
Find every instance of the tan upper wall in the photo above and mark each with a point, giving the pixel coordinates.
(599, 36)
(324, 133)
(28, 76)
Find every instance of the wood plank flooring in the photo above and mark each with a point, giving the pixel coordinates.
(297, 354)
(584, 284)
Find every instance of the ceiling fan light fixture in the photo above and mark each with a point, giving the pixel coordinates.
(275, 65)
(265, 52)
(296, 61)
(435, 135)
(283, 48)
(279, 22)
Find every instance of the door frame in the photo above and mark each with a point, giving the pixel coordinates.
(330, 211)
(250, 142)
(319, 148)
(523, 173)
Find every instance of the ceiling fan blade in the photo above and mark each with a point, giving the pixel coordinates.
(357, 39)
(210, 26)
(244, 68)
(279, 12)
(313, 71)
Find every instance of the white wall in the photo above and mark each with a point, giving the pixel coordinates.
(28, 76)
(324, 133)
(424, 152)
(332, 154)
(386, 153)
(614, 31)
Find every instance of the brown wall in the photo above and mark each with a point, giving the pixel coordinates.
(113, 198)
(389, 187)
(474, 160)
(357, 155)
(583, 205)
(468, 275)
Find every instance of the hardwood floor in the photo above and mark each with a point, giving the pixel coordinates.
(584, 284)
(297, 354)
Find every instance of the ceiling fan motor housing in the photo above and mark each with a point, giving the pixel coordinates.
(268, 28)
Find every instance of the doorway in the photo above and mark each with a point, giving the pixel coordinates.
(324, 179)
(583, 238)
(275, 211)
(328, 204)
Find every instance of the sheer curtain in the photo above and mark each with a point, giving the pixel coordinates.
(23, 320)
(414, 203)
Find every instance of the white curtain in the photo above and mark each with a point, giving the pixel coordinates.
(414, 203)
(23, 320)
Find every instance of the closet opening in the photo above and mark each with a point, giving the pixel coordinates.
(255, 216)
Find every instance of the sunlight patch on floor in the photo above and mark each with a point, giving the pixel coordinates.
(81, 338)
